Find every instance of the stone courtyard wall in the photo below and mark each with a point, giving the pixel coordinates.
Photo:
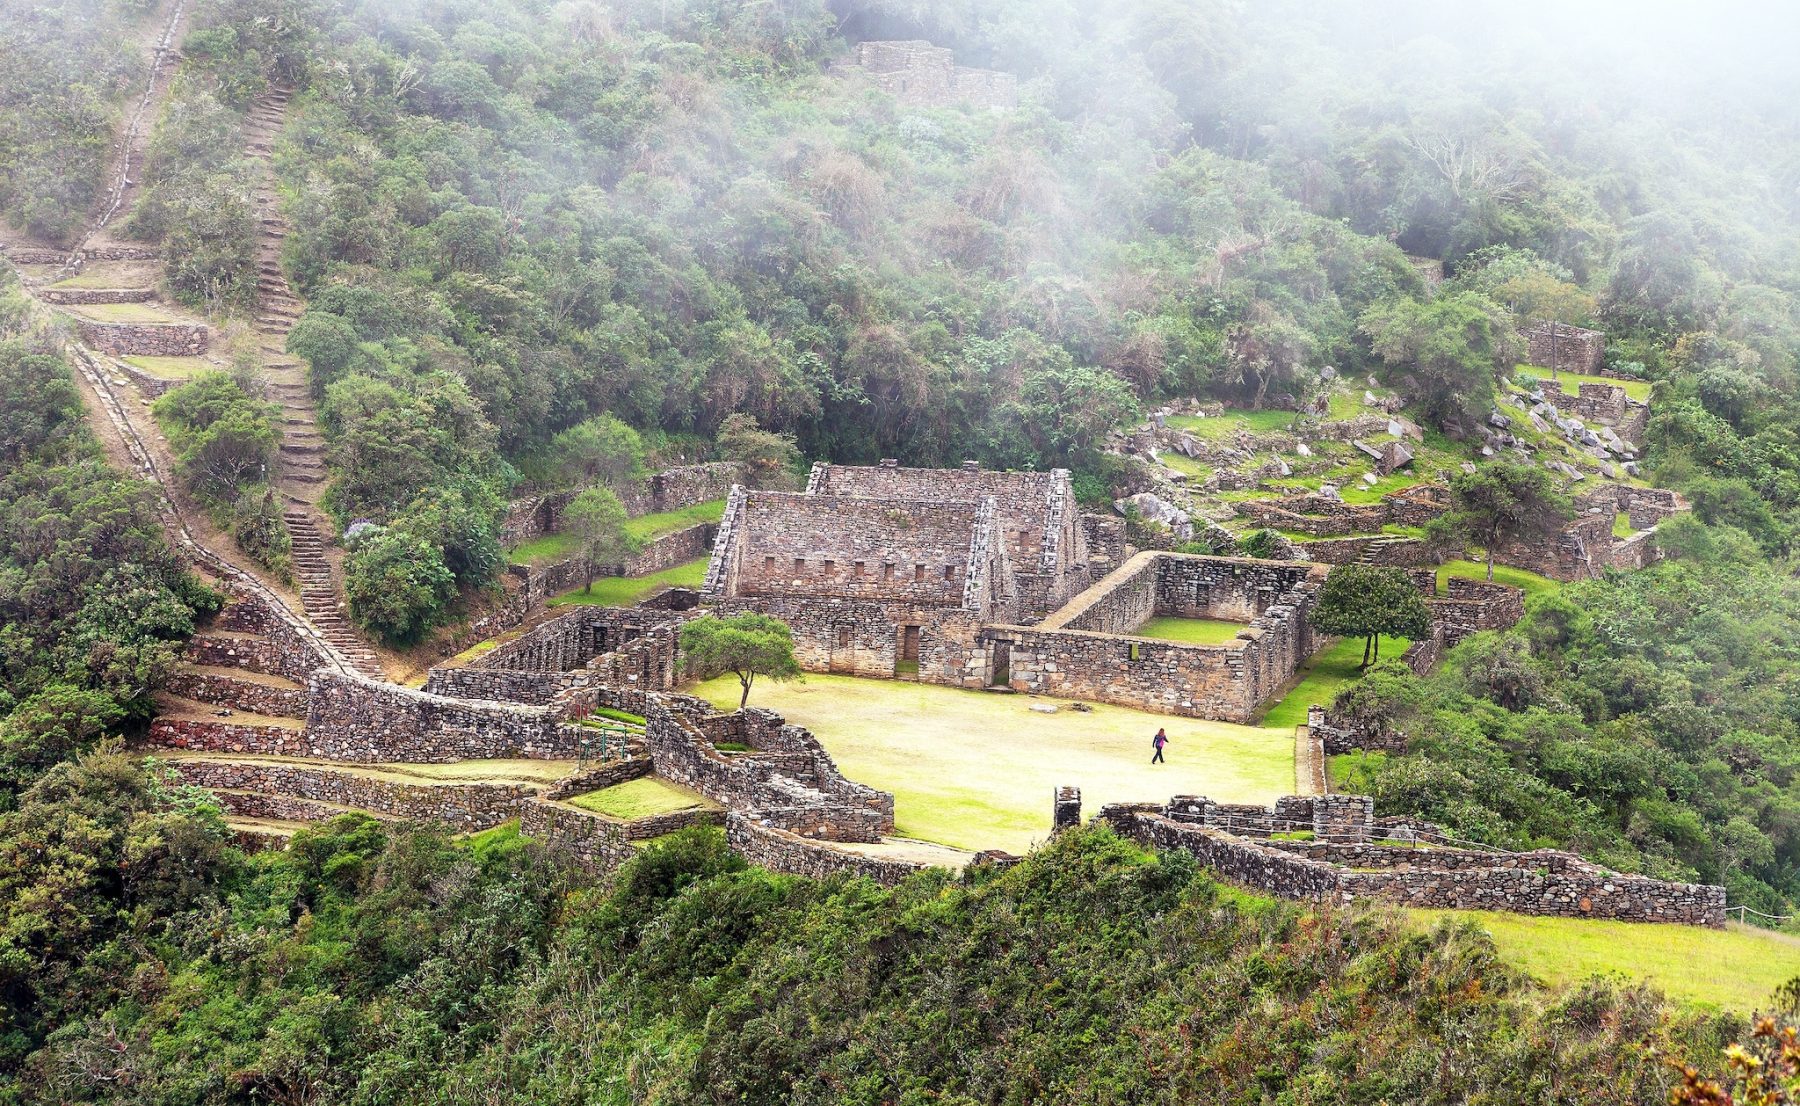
(1541, 883)
(145, 339)
(669, 490)
(357, 719)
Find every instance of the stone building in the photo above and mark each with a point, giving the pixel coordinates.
(916, 72)
(1564, 348)
(872, 566)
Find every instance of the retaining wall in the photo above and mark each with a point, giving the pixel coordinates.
(357, 719)
(464, 806)
(245, 695)
(777, 850)
(145, 339)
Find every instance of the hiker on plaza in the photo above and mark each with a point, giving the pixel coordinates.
(1157, 743)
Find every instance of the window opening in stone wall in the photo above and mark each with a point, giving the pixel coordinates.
(861, 570)
(918, 574)
(887, 574)
(830, 566)
(769, 565)
(1132, 652)
(799, 565)
(949, 572)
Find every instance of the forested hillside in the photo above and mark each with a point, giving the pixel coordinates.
(546, 245)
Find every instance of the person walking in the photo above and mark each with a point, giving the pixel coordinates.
(1157, 743)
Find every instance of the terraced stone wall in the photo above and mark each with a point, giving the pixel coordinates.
(357, 719)
(463, 806)
(245, 695)
(145, 339)
(779, 850)
(1541, 883)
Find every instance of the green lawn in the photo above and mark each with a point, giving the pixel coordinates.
(1322, 678)
(1622, 525)
(170, 368)
(639, 798)
(558, 547)
(647, 527)
(1191, 631)
(1736, 968)
(623, 591)
(124, 312)
(977, 770)
(1231, 421)
(1530, 582)
(1572, 382)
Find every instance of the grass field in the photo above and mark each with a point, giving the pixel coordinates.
(977, 770)
(1191, 631)
(639, 798)
(1322, 678)
(1530, 582)
(124, 312)
(170, 368)
(622, 591)
(1572, 382)
(647, 527)
(1736, 968)
(1622, 525)
(543, 550)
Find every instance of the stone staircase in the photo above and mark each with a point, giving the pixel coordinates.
(1371, 553)
(319, 593)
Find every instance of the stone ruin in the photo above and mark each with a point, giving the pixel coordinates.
(1332, 849)
(918, 73)
(1564, 348)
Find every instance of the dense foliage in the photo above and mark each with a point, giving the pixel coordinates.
(1650, 721)
(373, 965)
(225, 445)
(92, 602)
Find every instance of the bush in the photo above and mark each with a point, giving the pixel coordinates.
(398, 586)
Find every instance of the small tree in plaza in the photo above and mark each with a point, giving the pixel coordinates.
(745, 645)
(1367, 601)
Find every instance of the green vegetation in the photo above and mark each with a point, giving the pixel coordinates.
(1622, 525)
(1191, 631)
(1530, 582)
(170, 368)
(619, 715)
(544, 550)
(1370, 602)
(648, 527)
(744, 645)
(1327, 673)
(225, 444)
(976, 770)
(1737, 969)
(623, 591)
(1572, 382)
(640, 798)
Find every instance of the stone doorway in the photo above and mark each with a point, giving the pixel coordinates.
(1000, 664)
(906, 655)
(843, 649)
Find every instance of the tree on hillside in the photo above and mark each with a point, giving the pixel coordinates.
(397, 585)
(745, 645)
(602, 451)
(768, 458)
(1504, 503)
(1368, 601)
(1454, 346)
(597, 520)
(1536, 291)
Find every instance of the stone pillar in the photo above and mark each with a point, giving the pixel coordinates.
(1188, 808)
(1343, 818)
(1067, 811)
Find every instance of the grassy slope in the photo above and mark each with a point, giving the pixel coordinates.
(1322, 678)
(1531, 582)
(1737, 968)
(556, 547)
(1191, 631)
(622, 591)
(1572, 382)
(976, 770)
(639, 798)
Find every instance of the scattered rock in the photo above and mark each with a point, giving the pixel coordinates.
(1043, 708)
(1081, 708)
(1302, 450)
(1370, 479)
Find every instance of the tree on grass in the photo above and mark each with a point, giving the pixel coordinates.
(1504, 503)
(745, 645)
(597, 519)
(1368, 601)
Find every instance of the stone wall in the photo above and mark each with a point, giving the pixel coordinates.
(1647, 507)
(916, 72)
(596, 843)
(356, 719)
(96, 295)
(1378, 549)
(205, 735)
(1541, 883)
(248, 634)
(1323, 516)
(1599, 403)
(777, 850)
(463, 806)
(245, 695)
(145, 339)
(669, 490)
(1572, 349)
(1581, 551)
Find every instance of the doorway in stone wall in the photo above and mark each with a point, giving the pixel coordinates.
(1000, 664)
(843, 650)
(906, 654)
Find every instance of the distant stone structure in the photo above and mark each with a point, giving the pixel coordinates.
(1331, 848)
(982, 579)
(1568, 349)
(916, 72)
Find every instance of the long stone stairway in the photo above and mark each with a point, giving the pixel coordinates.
(302, 476)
